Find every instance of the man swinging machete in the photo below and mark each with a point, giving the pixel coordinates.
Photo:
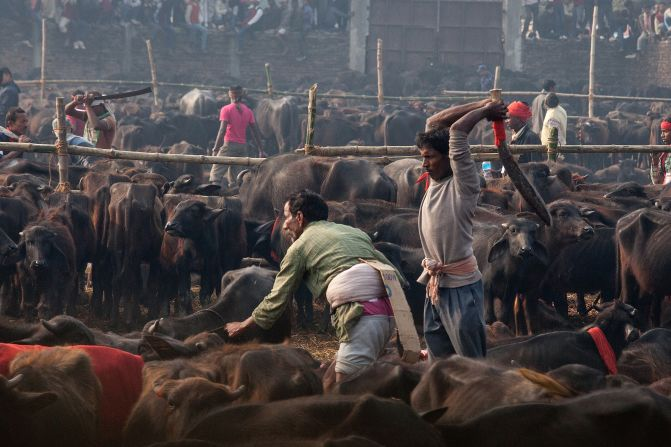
(100, 126)
(453, 310)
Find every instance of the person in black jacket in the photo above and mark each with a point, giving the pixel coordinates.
(9, 93)
(519, 114)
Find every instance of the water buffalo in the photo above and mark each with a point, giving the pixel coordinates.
(47, 271)
(68, 378)
(266, 187)
(133, 235)
(218, 243)
(278, 121)
(406, 173)
(643, 266)
(241, 291)
(552, 350)
(312, 418)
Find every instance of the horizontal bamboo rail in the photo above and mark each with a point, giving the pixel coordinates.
(447, 94)
(129, 155)
(411, 151)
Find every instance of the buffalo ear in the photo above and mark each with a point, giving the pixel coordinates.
(207, 189)
(50, 327)
(34, 402)
(499, 249)
(166, 187)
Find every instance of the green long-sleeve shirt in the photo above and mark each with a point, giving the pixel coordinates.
(323, 250)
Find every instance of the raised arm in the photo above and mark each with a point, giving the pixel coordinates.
(449, 116)
(70, 108)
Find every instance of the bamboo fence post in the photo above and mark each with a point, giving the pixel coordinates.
(44, 59)
(553, 143)
(380, 75)
(592, 57)
(312, 116)
(62, 147)
(269, 81)
(152, 67)
(497, 77)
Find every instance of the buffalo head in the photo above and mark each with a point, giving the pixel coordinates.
(519, 240)
(190, 219)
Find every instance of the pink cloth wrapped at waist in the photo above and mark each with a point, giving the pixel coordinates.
(435, 270)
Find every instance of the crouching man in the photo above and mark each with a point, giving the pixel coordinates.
(328, 257)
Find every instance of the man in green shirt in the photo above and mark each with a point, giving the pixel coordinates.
(328, 257)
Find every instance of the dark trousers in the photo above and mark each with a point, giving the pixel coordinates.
(456, 325)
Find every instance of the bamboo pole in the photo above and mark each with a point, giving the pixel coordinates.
(592, 57)
(312, 117)
(447, 94)
(553, 143)
(411, 151)
(269, 81)
(380, 76)
(130, 155)
(152, 67)
(62, 147)
(44, 60)
(497, 77)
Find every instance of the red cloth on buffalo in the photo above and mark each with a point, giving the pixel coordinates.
(119, 373)
(605, 349)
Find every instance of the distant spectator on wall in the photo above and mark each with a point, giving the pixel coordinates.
(9, 93)
(251, 12)
(530, 18)
(131, 11)
(193, 16)
(645, 25)
(307, 23)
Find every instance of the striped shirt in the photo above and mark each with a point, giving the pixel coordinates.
(323, 250)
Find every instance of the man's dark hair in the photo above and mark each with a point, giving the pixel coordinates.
(77, 92)
(667, 119)
(4, 70)
(549, 84)
(235, 88)
(311, 204)
(437, 139)
(551, 100)
(12, 114)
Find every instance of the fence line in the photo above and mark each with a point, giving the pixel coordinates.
(130, 155)
(412, 151)
(447, 94)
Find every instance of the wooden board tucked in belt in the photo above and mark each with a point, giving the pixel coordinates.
(404, 322)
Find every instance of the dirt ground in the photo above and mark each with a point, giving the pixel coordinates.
(324, 345)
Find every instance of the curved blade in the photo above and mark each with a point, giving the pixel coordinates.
(124, 94)
(523, 184)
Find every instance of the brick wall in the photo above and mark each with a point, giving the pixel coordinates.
(567, 62)
(327, 55)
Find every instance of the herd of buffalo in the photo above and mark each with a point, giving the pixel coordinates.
(140, 236)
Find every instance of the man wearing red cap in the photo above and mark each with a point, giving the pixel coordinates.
(660, 169)
(519, 114)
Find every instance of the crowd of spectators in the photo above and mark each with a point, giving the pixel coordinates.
(80, 20)
(630, 23)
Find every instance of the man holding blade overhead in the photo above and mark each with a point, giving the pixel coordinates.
(100, 126)
(453, 310)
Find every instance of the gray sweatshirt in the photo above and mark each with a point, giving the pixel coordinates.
(446, 213)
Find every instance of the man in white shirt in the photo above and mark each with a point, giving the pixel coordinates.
(554, 117)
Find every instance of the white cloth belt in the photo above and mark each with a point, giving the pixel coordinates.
(360, 282)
